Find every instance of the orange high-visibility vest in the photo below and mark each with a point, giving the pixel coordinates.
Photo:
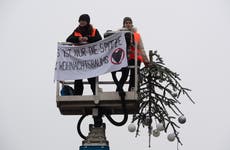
(92, 34)
(137, 39)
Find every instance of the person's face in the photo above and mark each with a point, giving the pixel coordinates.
(82, 23)
(128, 25)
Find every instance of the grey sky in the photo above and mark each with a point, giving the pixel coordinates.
(192, 36)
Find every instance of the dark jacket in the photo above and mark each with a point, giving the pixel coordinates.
(85, 32)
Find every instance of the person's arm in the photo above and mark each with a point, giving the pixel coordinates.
(72, 38)
(95, 38)
(140, 46)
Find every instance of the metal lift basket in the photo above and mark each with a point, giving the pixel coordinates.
(109, 102)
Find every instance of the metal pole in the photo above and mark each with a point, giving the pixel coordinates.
(136, 73)
(57, 90)
(96, 86)
(96, 101)
(151, 56)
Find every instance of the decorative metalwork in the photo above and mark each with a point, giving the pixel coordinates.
(158, 93)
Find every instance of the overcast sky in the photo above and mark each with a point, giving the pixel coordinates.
(192, 36)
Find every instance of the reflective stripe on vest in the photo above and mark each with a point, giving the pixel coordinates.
(92, 34)
(137, 39)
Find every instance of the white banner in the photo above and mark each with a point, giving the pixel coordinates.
(91, 60)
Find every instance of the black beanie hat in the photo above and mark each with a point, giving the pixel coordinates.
(127, 19)
(84, 17)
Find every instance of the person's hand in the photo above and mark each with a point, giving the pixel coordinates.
(81, 39)
(85, 39)
(146, 64)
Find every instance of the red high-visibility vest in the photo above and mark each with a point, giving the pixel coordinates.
(131, 54)
(92, 34)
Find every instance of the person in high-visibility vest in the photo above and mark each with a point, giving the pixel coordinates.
(83, 34)
(141, 55)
